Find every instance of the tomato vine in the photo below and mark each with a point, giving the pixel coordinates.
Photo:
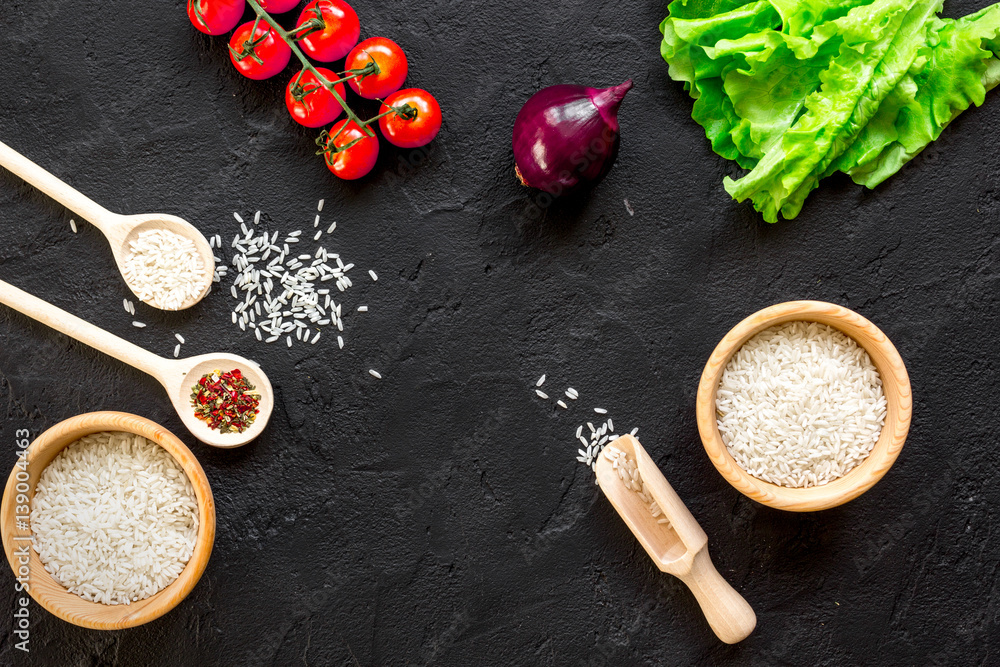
(327, 30)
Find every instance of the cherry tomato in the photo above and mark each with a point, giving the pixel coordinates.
(391, 62)
(261, 56)
(309, 102)
(338, 34)
(416, 123)
(215, 17)
(355, 161)
(278, 6)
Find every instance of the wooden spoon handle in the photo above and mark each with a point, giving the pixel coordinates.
(85, 332)
(729, 615)
(55, 188)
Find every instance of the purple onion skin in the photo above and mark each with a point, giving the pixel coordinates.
(567, 136)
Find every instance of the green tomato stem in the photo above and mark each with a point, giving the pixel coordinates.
(284, 35)
(407, 112)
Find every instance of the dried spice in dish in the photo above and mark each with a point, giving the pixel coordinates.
(227, 402)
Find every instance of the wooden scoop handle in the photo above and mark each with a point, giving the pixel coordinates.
(729, 615)
(85, 332)
(80, 204)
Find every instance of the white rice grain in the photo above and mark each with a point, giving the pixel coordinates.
(114, 518)
(628, 473)
(800, 405)
(164, 268)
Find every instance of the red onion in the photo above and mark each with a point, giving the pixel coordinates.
(567, 135)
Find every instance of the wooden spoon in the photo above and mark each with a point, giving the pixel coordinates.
(678, 548)
(176, 375)
(120, 230)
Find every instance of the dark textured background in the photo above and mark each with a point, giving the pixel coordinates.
(438, 516)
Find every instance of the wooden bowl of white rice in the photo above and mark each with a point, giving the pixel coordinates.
(120, 520)
(804, 406)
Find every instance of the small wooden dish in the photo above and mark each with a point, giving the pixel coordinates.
(47, 591)
(680, 547)
(895, 384)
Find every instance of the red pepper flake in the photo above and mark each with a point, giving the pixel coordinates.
(227, 402)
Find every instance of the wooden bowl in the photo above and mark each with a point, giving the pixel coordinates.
(46, 590)
(895, 383)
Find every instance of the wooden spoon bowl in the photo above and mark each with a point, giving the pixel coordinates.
(48, 592)
(179, 376)
(895, 384)
(679, 547)
(120, 230)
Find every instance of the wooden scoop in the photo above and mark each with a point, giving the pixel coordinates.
(176, 375)
(678, 548)
(120, 230)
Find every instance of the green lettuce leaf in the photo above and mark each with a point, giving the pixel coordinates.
(957, 68)
(794, 90)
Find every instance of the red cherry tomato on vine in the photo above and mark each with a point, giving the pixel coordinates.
(278, 6)
(416, 121)
(215, 17)
(337, 29)
(359, 156)
(260, 56)
(391, 62)
(310, 103)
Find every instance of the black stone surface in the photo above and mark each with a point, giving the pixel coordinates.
(438, 516)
